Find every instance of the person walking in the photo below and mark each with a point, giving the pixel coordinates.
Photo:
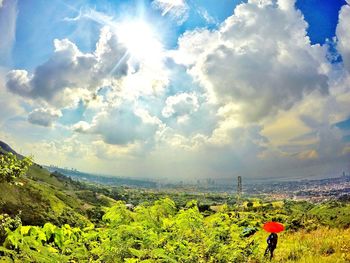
(272, 228)
(271, 244)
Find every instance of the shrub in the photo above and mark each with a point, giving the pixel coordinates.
(8, 224)
(12, 168)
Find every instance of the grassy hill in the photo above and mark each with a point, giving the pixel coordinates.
(41, 197)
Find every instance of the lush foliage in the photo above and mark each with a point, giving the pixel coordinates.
(11, 167)
(42, 197)
(160, 232)
(56, 219)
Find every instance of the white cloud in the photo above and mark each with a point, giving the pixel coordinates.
(206, 16)
(180, 105)
(69, 70)
(71, 75)
(308, 131)
(122, 125)
(176, 9)
(192, 44)
(329, 138)
(111, 152)
(18, 82)
(81, 126)
(260, 59)
(343, 34)
(44, 117)
(64, 152)
(200, 156)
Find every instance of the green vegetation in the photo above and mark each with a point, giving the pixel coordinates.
(40, 197)
(50, 218)
(160, 232)
(12, 168)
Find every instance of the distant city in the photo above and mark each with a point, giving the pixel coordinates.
(312, 190)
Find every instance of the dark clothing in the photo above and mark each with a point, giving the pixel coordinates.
(271, 244)
(272, 240)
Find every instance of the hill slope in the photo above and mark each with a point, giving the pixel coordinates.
(42, 196)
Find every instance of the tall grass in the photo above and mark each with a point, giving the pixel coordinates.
(323, 245)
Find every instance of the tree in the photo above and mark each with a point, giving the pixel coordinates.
(11, 167)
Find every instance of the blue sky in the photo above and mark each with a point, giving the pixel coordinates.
(219, 88)
(38, 32)
(35, 33)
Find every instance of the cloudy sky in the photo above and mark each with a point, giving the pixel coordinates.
(178, 89)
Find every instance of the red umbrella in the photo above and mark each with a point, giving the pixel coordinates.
(273, 227)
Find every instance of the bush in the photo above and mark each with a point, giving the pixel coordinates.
(8, 224)
(12, 168)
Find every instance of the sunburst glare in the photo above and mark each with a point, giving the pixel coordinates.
(140, 39)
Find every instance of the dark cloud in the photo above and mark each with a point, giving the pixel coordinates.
(44, 117)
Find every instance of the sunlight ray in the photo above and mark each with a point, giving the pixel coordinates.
(121, 60)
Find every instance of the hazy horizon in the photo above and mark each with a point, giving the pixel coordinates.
(178, 89)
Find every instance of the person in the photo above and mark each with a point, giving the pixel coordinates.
(271, 244)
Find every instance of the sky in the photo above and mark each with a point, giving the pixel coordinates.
(178, 89)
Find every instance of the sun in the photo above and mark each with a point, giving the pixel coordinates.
(140, 39)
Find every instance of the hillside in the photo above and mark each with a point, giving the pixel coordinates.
(43, 197)
(48, 217)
